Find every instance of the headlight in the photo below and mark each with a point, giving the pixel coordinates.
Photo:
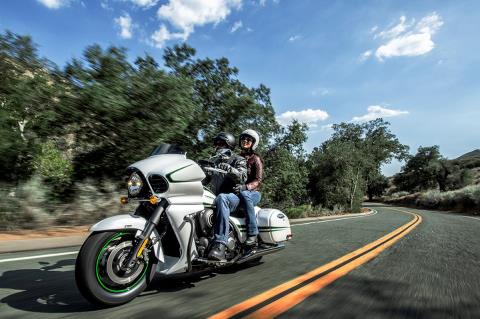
(134, 184)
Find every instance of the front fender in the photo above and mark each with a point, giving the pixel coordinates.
(129, 221)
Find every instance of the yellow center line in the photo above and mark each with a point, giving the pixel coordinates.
(291, 299)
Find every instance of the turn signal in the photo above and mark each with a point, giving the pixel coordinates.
(124, 200)
(153, 199)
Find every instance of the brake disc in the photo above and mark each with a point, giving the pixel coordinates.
(115, 259)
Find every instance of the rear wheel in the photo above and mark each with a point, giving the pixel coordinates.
(98, 272)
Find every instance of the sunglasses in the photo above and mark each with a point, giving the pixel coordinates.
(246, 138)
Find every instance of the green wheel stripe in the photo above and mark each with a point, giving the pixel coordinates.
(98, 275)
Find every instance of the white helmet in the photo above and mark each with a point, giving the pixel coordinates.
(253, 134)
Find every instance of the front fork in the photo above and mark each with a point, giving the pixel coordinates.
(141, 240)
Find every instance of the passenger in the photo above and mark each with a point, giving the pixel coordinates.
(248, 192)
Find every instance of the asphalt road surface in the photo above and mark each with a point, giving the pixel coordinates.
(430, 268)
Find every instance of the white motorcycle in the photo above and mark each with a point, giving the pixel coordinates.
(170, 231)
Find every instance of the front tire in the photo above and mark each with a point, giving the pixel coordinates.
(97, 272)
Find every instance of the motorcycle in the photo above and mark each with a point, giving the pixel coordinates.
(170, 231)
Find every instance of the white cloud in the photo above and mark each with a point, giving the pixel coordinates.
(326, 127)
(54, 4)
(104, 4)
(365, 55)
(309, 116)
(237, 25)
(294, 38)
(409, 39)
(144, 3)
(320, 92)
(162, 35)
(396, 30)
(185, 15)
(377, 111)
(125, 24)
(262, 2)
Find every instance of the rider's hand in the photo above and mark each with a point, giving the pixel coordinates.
(208, 172)
(226, 167)
(239, 187)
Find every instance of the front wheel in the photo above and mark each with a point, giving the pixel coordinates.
(98, 272)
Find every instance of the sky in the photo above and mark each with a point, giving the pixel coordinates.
(414, 63)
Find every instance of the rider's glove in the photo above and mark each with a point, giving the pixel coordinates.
(226, 167)
(239, 187)
(208, 172)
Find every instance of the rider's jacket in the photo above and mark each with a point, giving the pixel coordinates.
(224, 183)
(254, 171)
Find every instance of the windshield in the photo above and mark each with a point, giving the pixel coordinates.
(167, 149)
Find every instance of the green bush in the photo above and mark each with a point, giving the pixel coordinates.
(297, 211)
(52, 166)
(94, 200)
(399, 194)
(25, 206)
(464, 199)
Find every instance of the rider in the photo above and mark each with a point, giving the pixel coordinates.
(235, 166)
(223, 184)
(248, 192)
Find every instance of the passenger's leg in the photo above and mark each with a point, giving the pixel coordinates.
(250, 199)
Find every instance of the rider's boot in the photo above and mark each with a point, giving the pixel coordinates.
(217, 252)
(251, 240)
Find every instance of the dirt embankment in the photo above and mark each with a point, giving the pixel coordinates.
(45, 233)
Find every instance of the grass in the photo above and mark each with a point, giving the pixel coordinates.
(307, 210)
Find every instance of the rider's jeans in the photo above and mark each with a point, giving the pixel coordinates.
(250, 199)
(225, 203)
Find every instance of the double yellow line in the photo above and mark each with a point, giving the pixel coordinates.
(279, 299)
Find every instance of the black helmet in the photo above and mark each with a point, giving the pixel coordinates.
(227, 138)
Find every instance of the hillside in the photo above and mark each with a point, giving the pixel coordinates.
(469, 160)
(469, 155)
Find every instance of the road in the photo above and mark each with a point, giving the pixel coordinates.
(430, 270)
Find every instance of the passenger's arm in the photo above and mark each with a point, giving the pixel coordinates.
(254, 184)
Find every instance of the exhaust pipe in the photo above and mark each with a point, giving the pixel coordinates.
(261, 252)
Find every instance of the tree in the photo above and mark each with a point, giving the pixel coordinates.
(285, 176)
(119, 112)
(344, 166)
(428, 169)
(29, 98)
(222, 102)
(376, 186)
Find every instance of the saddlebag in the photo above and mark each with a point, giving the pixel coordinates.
(273, 226)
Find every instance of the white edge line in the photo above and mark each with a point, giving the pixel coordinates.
(336, 219)
(471, 217)
(38, 256)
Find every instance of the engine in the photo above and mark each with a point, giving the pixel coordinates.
(204, 221)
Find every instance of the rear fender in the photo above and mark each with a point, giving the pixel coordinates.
(129, 222)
